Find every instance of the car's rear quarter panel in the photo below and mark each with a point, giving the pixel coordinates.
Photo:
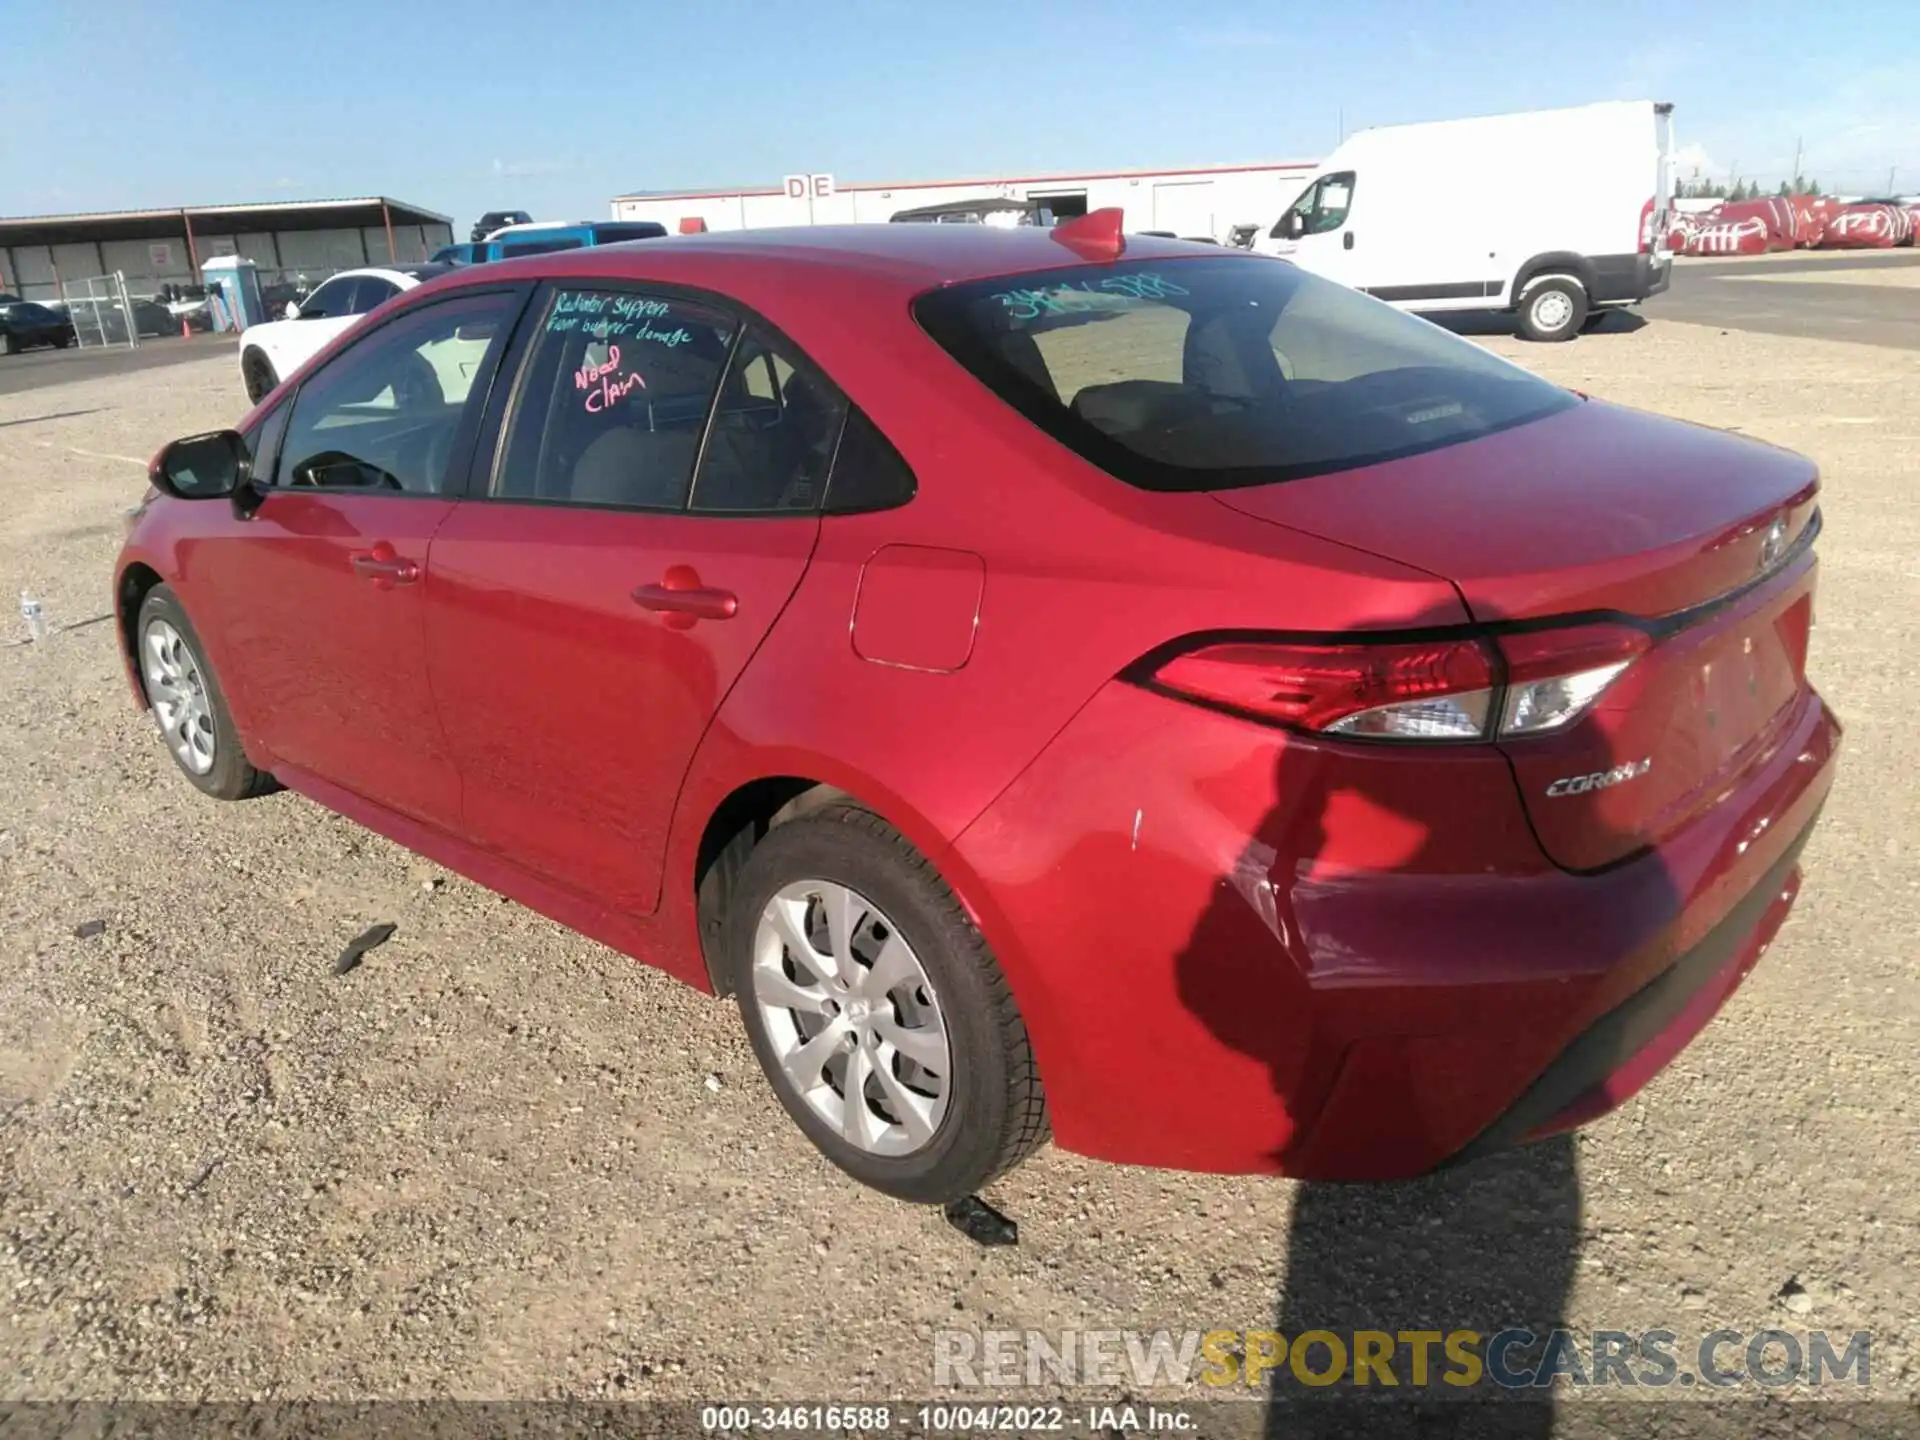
(1083, 576)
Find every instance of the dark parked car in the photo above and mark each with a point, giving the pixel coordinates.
(496, 219)
(24, 324)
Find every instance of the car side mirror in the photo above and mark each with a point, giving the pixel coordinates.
(202, 467)
(292, 312)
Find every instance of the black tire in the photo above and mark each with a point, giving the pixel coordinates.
(231, 776)
(996, 1113)
(257, 371)
(60, 342)
(1553, 309)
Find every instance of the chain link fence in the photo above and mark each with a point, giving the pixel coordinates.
(102, 312)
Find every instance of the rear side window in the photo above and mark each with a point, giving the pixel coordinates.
(773, 433)
(1218, 373)
(613, 400)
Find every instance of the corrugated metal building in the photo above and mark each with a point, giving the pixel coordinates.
(1208, 201)
(159, 247)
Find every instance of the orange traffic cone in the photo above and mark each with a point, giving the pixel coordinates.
(186, 330)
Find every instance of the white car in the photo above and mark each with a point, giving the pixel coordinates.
(273, 350)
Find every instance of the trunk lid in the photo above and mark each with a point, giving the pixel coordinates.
(1699, 538)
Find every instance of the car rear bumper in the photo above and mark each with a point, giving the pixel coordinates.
(1242, 951)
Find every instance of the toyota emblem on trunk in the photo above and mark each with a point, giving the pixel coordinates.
(1775, 543)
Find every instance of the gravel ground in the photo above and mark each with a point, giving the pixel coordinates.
(499, 1161)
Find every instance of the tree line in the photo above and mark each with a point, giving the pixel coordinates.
(1698, 189)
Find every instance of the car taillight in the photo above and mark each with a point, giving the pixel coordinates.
(1555, 676)
(1427, 690)
(1456, 688)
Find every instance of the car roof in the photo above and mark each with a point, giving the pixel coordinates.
(406, 276)
(916, 256)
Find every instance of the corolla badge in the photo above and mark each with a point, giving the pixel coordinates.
(1774, 544)
(1600, 779)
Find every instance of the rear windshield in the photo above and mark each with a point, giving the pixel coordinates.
(633, 230)
(1215, 373)
(509, 249)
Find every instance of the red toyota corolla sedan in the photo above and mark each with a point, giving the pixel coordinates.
(1059, 683)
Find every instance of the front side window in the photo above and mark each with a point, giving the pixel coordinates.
(333, 299)
(613, 400)
(382, 415)
(1218, 373)
(1322, 208)
(773, 433)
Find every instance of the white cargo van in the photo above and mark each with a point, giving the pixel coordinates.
(1556, 215)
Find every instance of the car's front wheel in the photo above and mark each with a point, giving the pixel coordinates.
(257, 371)
(189, 709)
(877, 1010)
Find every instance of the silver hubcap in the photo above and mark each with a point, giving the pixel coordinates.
(855, 1022)
(178, 695)
(1552, 309)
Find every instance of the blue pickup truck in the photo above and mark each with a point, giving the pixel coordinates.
(541, 237)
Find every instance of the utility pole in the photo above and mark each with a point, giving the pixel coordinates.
(1891, 171)
(1796, 161)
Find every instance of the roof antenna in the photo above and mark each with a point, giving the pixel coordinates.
(1094, 235)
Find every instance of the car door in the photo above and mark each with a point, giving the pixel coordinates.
(1316, 231)
(322, 600)
(326, 313)
(614, 570)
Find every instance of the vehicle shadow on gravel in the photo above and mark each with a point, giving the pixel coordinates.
(1485, 1245)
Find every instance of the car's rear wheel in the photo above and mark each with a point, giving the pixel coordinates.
(877, 1011)
(189, 709)
(257, 371)
(1553, 309)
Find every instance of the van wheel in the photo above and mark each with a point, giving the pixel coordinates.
(1554, 309)
(877, 1011)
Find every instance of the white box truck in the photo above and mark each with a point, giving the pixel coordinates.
(1555, 215)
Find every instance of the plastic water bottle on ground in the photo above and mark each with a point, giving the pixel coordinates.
(35, 616)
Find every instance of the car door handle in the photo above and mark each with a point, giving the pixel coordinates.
(383, 567)
(683, 599)
(1346, 240)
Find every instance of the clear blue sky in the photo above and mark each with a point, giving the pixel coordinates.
(481, 104)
